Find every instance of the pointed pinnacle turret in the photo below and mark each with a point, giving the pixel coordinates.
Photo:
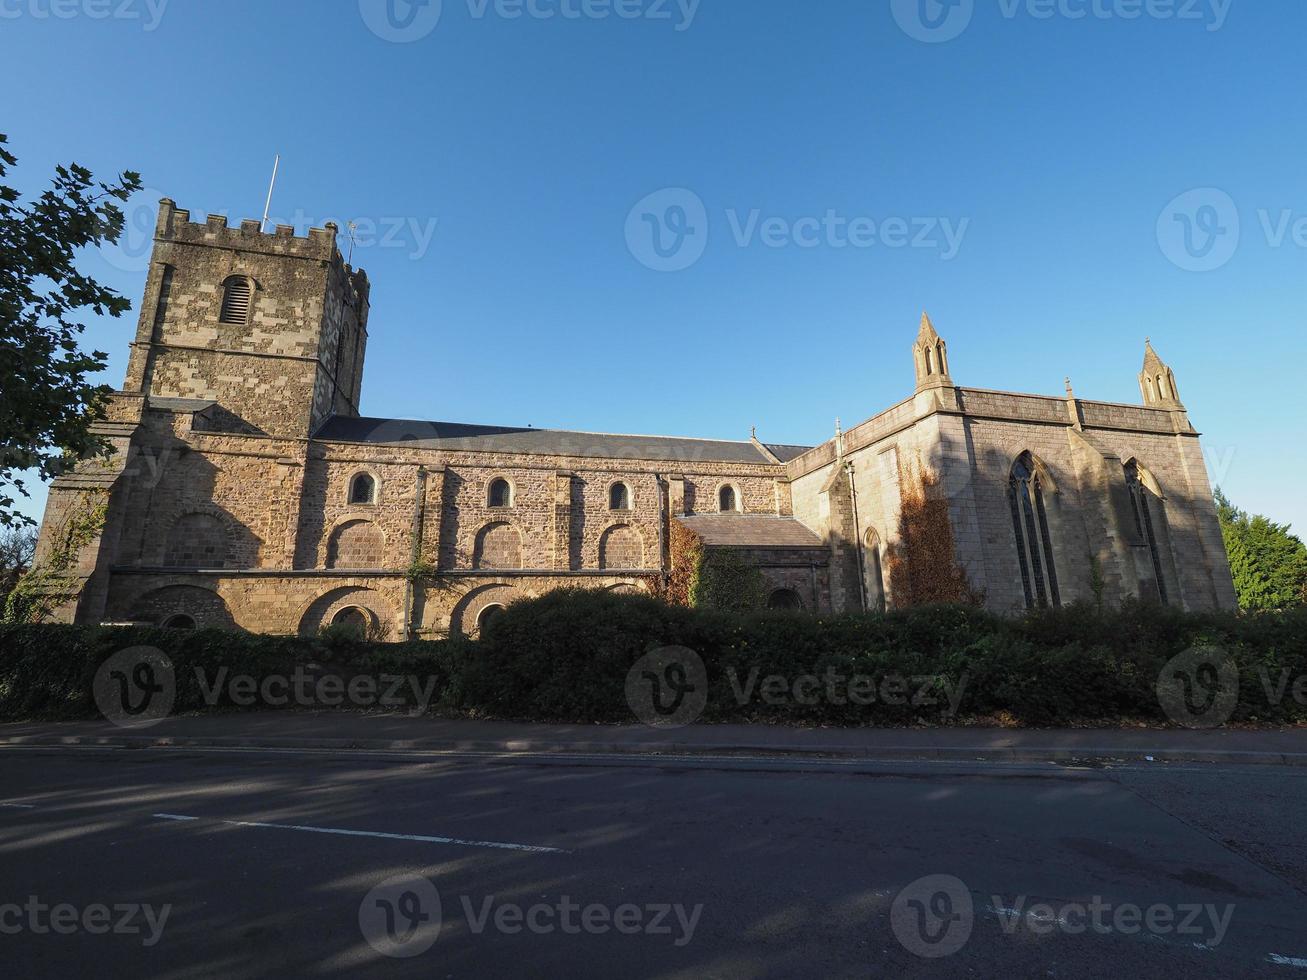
(930, 355)
(1152, 363)
(927, 331)
(1157, 381)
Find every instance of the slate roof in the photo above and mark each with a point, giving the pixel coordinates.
(784, 452)
(545, 442)
(751, 531)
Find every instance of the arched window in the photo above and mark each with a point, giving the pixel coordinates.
(875, 573)
(727, 501)
(196, 541)
(488, 614)
(363, 489)
(353, 619)
(619, 497)
(930, 362)
(501, 494)
(784, 599)
(237, 296)
(942, 359)
(180, 621)
(1034, 543)
(1148, 515)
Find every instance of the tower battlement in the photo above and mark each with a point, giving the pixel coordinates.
(270, 326)
(174, 225)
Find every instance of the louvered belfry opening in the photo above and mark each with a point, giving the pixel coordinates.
(236, 302)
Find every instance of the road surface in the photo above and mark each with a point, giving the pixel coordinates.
(192, 863)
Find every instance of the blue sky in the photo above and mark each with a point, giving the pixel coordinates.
(1022, 172)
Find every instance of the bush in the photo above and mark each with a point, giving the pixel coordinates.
(47, 671)
(565, 657)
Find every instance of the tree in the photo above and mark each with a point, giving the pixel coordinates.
(47, 405)
(17, 549)
(1268, 562)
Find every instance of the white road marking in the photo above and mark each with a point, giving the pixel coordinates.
(1279, 960)
(420, 838)
(20, 806)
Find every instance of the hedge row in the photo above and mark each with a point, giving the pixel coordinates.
(567, 656)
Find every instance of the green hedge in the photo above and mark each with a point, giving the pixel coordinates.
(48, 671)
(566, 656)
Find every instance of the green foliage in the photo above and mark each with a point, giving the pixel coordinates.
(565, 657)
(51, 582)
(17, 550)
(724, 579)
(47, 405)
(421, 569)
(1097, 584)
(1268, 562)
(47, 671)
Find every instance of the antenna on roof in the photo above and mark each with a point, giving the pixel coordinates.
(267, 205)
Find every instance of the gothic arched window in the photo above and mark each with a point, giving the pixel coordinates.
(1034, 543)
(875, 572)
(1147, 511)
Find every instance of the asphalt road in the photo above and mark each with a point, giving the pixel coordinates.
(159, 863)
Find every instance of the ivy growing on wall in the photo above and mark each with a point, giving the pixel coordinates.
(685, 551)
(922, 563)
(51, 582)
(727, 580)
(710, 578)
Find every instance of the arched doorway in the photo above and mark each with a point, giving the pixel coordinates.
(488, 615)
(352, 619)
(785, 599)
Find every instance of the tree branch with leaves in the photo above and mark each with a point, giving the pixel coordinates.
(47, 402)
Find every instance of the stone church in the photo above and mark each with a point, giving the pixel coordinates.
(249, 491)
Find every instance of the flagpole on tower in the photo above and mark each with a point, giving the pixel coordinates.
(273, 183)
